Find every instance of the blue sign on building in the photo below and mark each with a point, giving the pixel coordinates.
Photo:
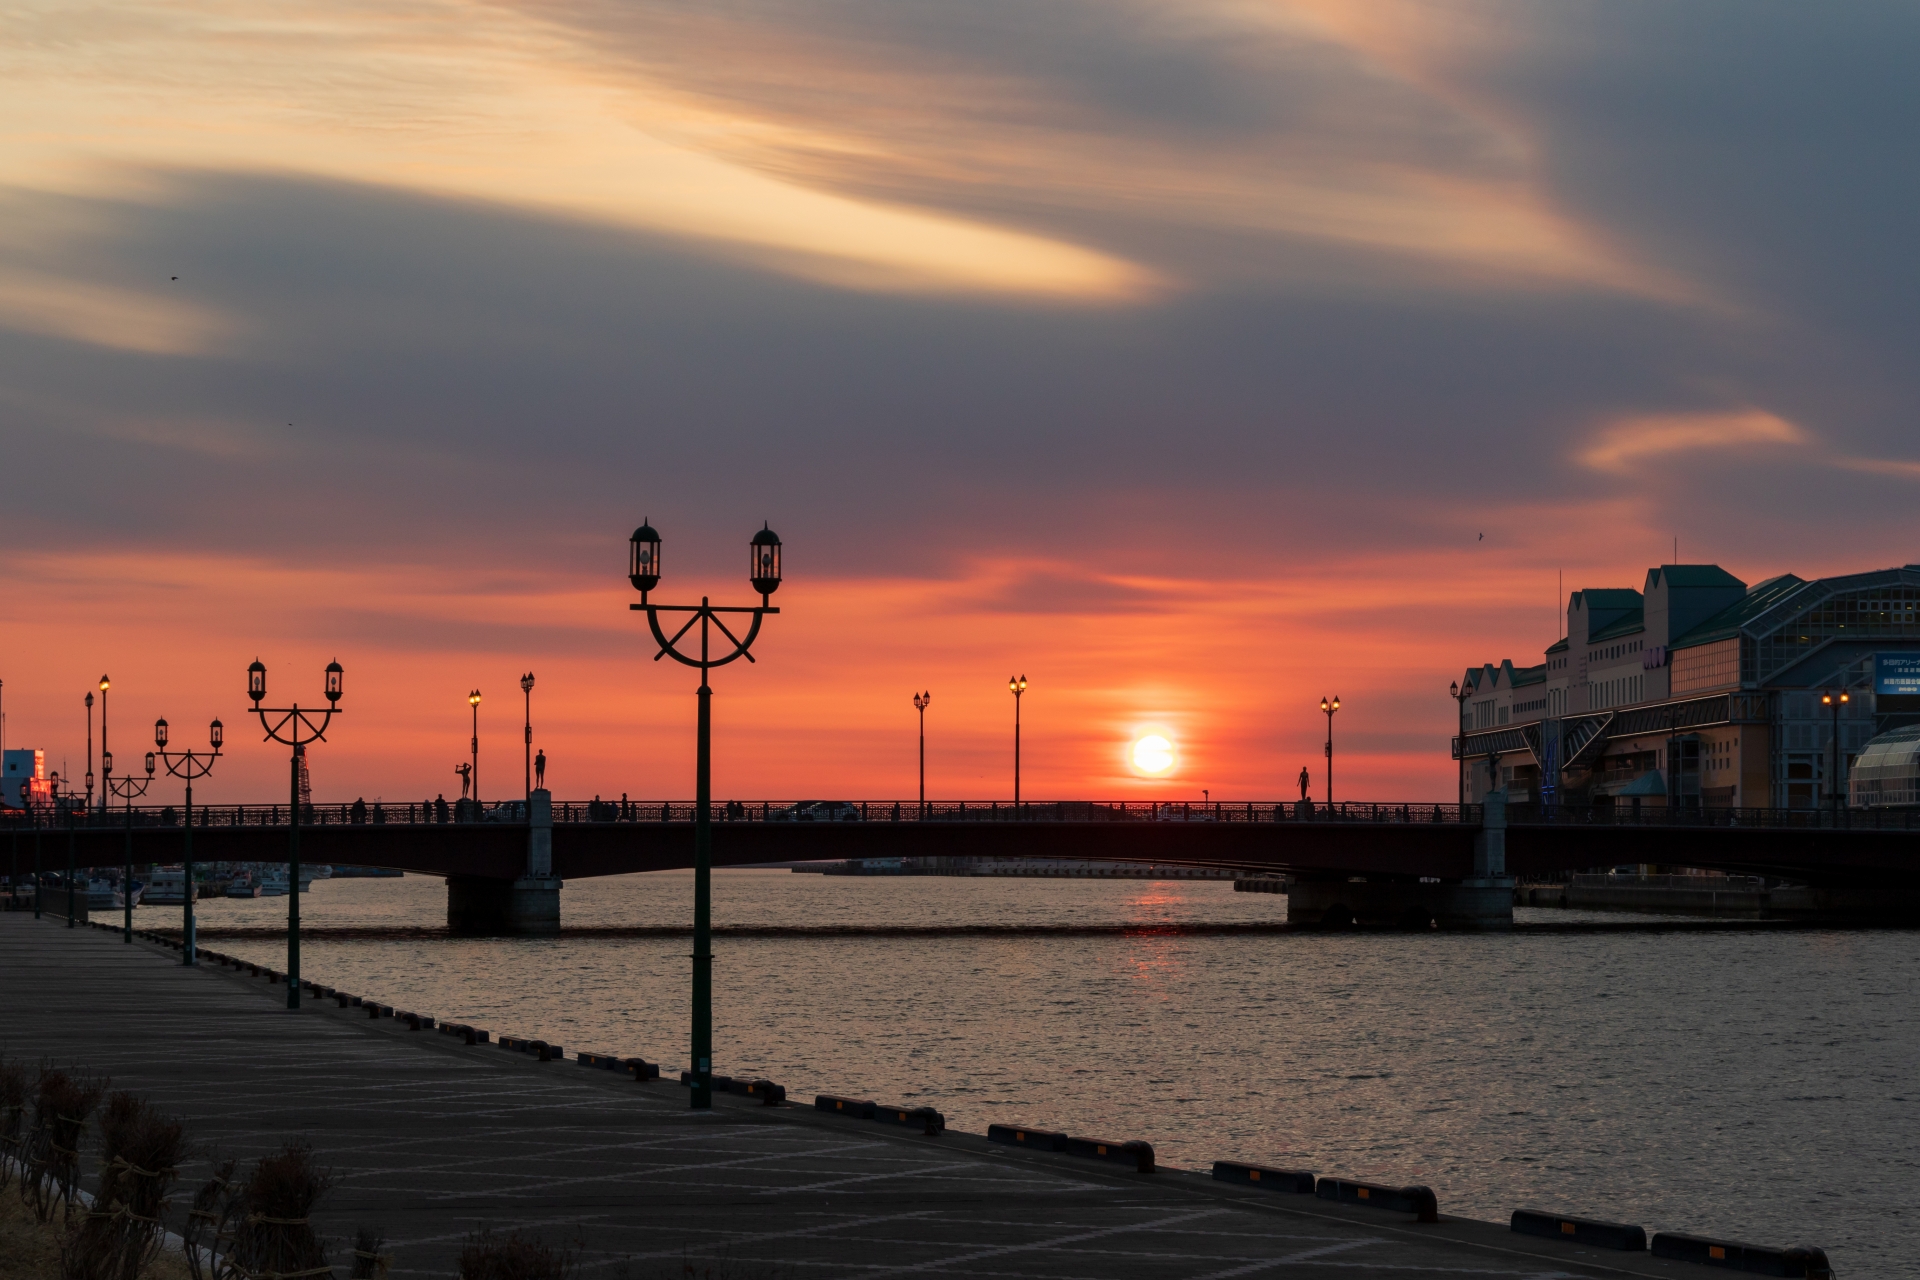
(1896, 673)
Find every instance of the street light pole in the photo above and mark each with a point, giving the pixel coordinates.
(1836, 701)
(526, 688)
(1018, 684)
(188, 765)
(106, 757)
(103, 747)
(1330, 705)
(764, 574)
(1460, 729)
(473, 700)
(920, 701)
(295, 728)
(128, 787)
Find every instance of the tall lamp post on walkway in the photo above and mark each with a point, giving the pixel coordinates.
(764, 574)
(473, 700)
(106, 756)
(295, 728)
(526, 688)
(128, 787)
(1460, 728)
(920, 703)
(1017, 685)
(1836, 701)
(1329, 706)
(188, 764)
(103, 747)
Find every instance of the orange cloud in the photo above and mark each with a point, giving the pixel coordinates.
(1625, 443)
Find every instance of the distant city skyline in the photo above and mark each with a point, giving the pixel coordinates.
(1194, 360)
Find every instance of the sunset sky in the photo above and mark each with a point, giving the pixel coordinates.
(1176, 355)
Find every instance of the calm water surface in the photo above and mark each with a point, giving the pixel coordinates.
(1752, 1084)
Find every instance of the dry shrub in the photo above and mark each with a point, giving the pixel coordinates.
(13, 1115)
(209, 1229)
(518, 1255)
(62, 1105)
(273, 1236)
(122, 1233)
(370, 1259)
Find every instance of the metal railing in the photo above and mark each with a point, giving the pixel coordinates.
(576, 812)
(657, 812)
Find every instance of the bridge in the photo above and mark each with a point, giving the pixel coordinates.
(1376, 862)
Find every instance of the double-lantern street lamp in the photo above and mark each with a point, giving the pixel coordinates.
(1835, 700)
(1017, 685)
(920, 703)
(127, 789)
(764, 574)
(526, 689)
(106, 757)
(188, 765)
(296, 727)
(1329, 706)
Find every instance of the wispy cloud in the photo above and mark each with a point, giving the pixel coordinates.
(1623, 444)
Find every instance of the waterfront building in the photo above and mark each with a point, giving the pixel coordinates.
(1699, 690)
(23, 772)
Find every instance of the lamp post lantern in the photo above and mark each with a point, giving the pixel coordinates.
(1017, 685)
(764, 574)
(187, 765)
(1329, 706)
(127, 788)
(295, 728)
(1836, 701)
(526, 688)
(920, 703)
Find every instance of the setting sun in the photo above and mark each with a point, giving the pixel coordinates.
(1153, 754)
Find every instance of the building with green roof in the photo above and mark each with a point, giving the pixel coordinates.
(1699, 690)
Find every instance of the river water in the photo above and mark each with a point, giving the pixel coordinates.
(1747, 1082)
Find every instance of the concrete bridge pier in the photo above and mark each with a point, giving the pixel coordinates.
(528, 905)
(1482, 901)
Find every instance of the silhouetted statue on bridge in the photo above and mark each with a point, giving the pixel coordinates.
(465, 771)
(540, 769)
(1306, 782)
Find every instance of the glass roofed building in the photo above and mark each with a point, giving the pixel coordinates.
(1699, 690)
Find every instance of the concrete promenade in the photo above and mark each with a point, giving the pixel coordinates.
(431, 1139)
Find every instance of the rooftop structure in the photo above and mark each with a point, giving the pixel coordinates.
(1698, 690)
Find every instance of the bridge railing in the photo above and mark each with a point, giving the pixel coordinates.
(598, 811)
(656, 812)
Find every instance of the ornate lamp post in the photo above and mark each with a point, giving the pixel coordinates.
(473, 700)
(106, 760)
(1018, 685)
(1329, 706)
(1460, 727)
(188, 765)
(764, 574)
(103, 747)
(526, 688)
(295, 728)
(1836, 701)
(127, 788)
(920, 701)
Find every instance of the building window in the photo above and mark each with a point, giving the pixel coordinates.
(1707, 666)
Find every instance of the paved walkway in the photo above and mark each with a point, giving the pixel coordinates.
(431, 1139)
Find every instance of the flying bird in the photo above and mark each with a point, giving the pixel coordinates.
(1482, 538)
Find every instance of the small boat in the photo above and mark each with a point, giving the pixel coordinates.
(139, 895)
(243, 888)
(269, 887)
(168, 887)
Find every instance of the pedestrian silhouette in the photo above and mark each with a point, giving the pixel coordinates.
(540, 770)
(359, 812)
(440, 808)
(1306, 782)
